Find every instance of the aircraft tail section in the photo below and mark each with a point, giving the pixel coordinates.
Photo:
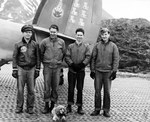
(53, 12)
(70, 15)
(87, 15)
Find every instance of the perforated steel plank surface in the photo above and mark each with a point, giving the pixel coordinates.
(130, 100)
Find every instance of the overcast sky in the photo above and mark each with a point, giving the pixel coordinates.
(127, 8)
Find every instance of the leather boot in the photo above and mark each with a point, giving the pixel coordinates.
(29, 110)
(95, 113)
(18, 110)
(80, 110)
(106, 114)
(46, 108)
(69, 109)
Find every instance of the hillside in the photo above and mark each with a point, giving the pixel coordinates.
(20, 11)
(23, 11)
(106, 15)
(132, 36)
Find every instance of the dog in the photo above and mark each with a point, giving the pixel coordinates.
(59, 114)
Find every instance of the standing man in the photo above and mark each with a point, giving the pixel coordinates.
(77, 57)
(52, 53)
(26, 67)
(104, 64)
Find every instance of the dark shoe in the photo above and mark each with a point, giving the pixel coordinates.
(18, 111)
(45, 111)
(46, 108)
(80, 111)
(106, 114)
(95, 113)
(30, 111)
(69, 109)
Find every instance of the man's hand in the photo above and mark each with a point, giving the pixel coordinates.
(113, 75)
(36, 74)
(15, 73)
(92, 75)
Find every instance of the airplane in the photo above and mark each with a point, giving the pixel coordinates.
(67, 14)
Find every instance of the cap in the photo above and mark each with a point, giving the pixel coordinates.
(104, 30)
(27, 28)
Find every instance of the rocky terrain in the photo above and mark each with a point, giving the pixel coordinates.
(23, 11)
(132, 36)
(20, 11)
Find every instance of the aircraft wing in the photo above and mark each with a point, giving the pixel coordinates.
(9, 35)
(42, 33)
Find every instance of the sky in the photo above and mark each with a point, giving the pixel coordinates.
(127, 8)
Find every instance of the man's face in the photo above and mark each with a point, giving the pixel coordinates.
(27, 34)
(53, 33)
(79, 36)
(105, 36)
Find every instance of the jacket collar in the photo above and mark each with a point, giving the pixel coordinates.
(24, 41)
(53, 40)
(105, 43)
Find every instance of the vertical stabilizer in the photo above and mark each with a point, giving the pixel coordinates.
(53, 12)
(70, 15)
(87, 15)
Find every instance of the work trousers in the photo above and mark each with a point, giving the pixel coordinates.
(102, 80)
(51, 82)
(75, 79)
(25, 77)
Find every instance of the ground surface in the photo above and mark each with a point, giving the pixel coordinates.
(130, 100)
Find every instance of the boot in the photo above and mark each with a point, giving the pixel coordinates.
(69, 109)
(106, 114)
(46, 108)
(52, 106)
(95, 113)
(80, 111)
(18, 110)
(29, 110)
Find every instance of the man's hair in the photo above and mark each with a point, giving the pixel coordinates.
(104, 30)
(80, 30)
(54, 26)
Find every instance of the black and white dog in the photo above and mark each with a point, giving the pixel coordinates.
(59, 114)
